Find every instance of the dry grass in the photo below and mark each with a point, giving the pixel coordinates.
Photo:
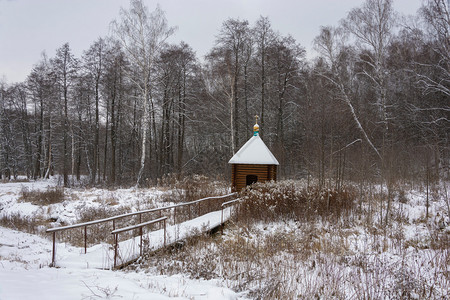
(288, 244)
(18, 179)
(32, 225)
(98, 233)
(273, 201)
(50, 196)
(298, 264)
(191, 188)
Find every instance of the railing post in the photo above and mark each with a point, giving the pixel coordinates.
(115, 249)
(165, 232)
(175, 215)
(85, 239)
(221, 221)
(140, 232)
(54, 249)
(160, 215)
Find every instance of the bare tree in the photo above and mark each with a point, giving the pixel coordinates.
(41, 88)
(231, 43)
(175, 67)
(372, 25)
(115, 64)
(142, 34)
(437, 17)
(65, 67)
(339, 72)
(2, 116)
(264, 37)
(93, 60)
(187, 65)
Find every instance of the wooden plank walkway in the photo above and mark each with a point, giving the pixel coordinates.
(101, 256)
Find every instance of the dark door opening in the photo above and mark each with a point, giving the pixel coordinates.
(251, 179)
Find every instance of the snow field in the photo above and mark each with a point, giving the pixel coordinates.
(351, 257)
(24, 257)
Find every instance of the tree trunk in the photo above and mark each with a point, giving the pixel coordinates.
(49, 154)
(105, 153)
(181, 121)
(95, 168)
(37, 166)
(144, 126)
(112, 178)
(65, 128)
(80, 133)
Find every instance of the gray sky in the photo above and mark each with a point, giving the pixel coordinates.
(29, 27)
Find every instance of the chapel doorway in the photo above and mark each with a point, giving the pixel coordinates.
(251, 179)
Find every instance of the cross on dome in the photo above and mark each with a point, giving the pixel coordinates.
(256, 127)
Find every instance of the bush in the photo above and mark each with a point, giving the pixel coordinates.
(190, 188)
(272, 201)
(50, 196)
(16, 221)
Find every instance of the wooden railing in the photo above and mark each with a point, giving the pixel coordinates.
(138, 226)
(228, 203)
(85, 225)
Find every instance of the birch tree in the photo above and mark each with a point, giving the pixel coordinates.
(330, 45)
(142, 35)
(372, 27)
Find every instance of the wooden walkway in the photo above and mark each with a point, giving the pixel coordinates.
(109, 256)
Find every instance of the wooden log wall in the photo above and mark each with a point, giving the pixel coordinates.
(239, 173)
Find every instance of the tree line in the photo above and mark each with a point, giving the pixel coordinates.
(374, 104)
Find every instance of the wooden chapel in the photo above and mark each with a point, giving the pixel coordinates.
(252, 163)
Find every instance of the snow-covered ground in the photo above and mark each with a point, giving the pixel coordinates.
(305, 253)
(25, 258)
(327, 260)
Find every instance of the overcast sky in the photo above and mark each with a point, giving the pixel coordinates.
(29, 27)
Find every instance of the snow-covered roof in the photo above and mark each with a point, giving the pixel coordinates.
(254, 152)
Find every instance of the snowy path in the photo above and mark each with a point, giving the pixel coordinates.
(102, 256)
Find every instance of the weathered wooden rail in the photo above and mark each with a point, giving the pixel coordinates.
(140, 227)
(113, 219)
(225, 204)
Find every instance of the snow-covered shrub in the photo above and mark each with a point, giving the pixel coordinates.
(17, 221)
(272, 201)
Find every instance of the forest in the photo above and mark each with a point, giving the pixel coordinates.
(134, 109)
